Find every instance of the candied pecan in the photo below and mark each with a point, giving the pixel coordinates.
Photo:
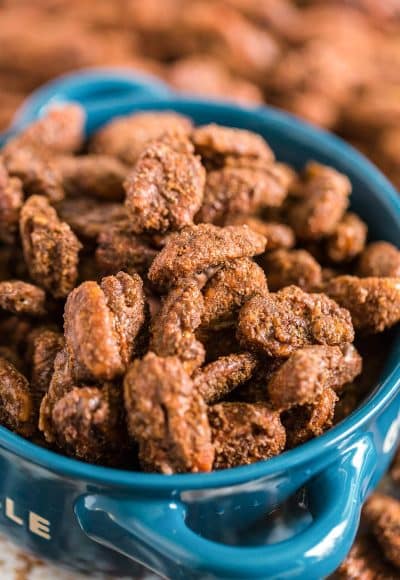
(50, 247)
(16, 403)
(197, 248)
(286, 267)
(60, 130)
(44, 345)
(99, 176)
(321, 199)
(205, 75)
(222, 376)
(172, 329)
(374, 303)
(278, 324)
(228, 289)
(365, 562)
(22, 298)
(243, 433)
(308, 371)
(215, 143)
(382, 513)
(88, 424)
(278, 235)
(230, 191)
(37, 171)
(380, 259)
(224, 32)
(307, 421)
(164, 190)
(102, 322)
(88, 218)
(11, 200)
(61, 383)
(167, 416)
(125, 137)
(120, 249)
(348, 239)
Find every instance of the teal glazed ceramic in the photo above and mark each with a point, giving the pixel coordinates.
(214, 525)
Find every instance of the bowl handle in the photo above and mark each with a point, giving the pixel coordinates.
(101, 91)
(154, 533)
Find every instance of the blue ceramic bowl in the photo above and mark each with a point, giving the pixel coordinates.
(202, 525)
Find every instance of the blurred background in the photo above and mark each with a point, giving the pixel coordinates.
(333, 62)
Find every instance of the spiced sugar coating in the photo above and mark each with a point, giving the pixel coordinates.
(222, 376)
(243, 433)
(228, 289)
(308, 371)
(233, 190)
(88, 218)
(380, 259)
(365, 562)
(280, 323)
(287, 267)
(374, 303)
(61, 383)
(279, 235)
(197, 248)
(173, 327)
(16, 402)
(165, 189)
(60, 130)
(37, 171)
(118, 248)
(319, 202)
(215, 143)
(304, 422)
(126, 137)
(348, 239)
(99, 176)
(44, 345)
(11, 200)
(20, 297)
(50, 247)
(382, 513)
(167, 416)
(88, 424)
(101, 323)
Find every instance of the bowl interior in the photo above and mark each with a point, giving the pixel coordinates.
(373, 198)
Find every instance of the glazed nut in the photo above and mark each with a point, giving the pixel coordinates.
(278, 324)
(16, 403)
(198, 248)
(243, 433)
(167, 416)
(374, 303)
(228, 289)
(50, 247)
(102, 322)
(309, 371)
(165, 189)
(22, 298)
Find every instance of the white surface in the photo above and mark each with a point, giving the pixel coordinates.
(14, 565)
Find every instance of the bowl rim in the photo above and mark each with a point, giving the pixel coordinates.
(335, 438)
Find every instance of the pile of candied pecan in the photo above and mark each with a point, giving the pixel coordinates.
(334, 62)
(175, 299)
